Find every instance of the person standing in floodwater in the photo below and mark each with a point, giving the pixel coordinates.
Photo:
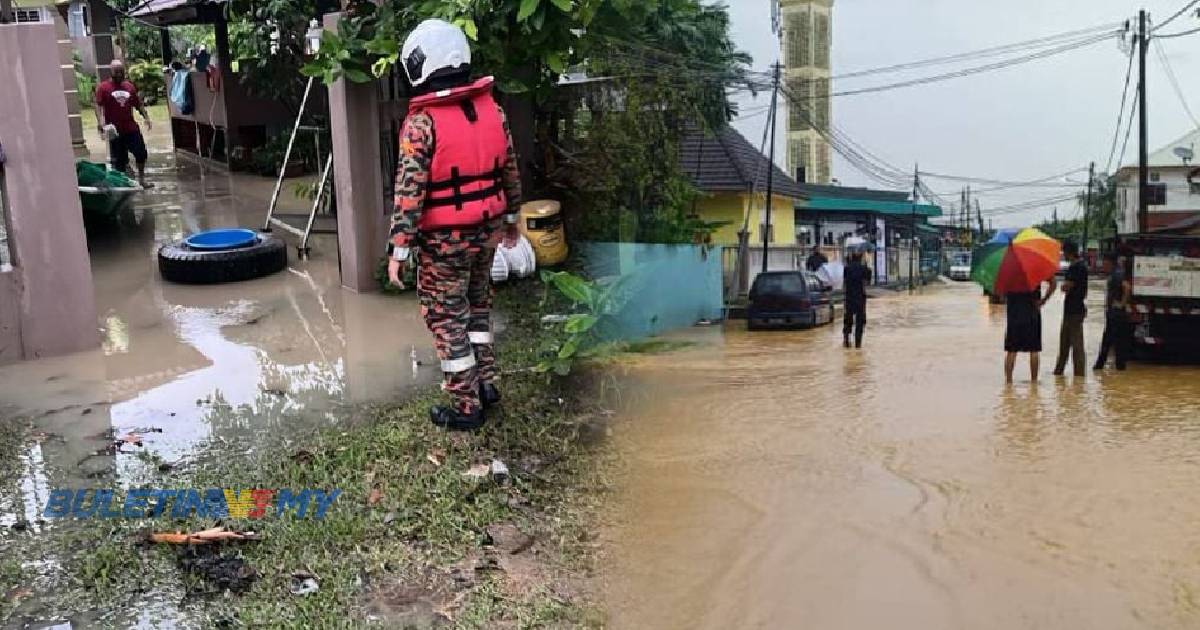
(1024, 330)
(458, 190)
(1118, 333)
(854, 280)
(1070, 340)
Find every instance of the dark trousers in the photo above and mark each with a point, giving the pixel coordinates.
(125, 144)
(1070, 342)
(1118, 337)
(854, 320)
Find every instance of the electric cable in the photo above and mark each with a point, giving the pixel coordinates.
(1178, 13)
(1162, 55)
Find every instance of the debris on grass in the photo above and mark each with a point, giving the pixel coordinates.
(203, 537)
(478, 471)
(304, 583)
(223, 571)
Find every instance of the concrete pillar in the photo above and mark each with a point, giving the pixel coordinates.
(102, 37)
(50, 282)
(362, 214)
(66, 54)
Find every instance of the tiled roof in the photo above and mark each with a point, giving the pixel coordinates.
(726, 162)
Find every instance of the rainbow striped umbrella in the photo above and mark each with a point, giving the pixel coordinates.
(1016, 261)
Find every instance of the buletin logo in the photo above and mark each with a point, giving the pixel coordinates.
(248, 503)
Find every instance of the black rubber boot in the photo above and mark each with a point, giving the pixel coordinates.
(489, 395)
(846, 341)
(452, 420)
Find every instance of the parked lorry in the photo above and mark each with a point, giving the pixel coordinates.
(1165, 308)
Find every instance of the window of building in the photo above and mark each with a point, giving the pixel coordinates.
(29, 16)
(823, 166)
(821, 54)
(1155, 176)
(804, 39)
(798, 119)
(5, 253)
(820, 103)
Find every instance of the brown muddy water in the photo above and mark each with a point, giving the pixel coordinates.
(776, 480)
(196, 367)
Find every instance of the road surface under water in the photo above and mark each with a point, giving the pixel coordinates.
(776, 480)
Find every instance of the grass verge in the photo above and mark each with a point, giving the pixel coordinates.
(411, 541)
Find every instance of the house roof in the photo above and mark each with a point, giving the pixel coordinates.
(1165, 156)
(1184, 225)
(850, 192)
(177, 12)
(725, 161)
(875, 206)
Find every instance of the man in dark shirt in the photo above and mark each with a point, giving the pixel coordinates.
(855, 279)
(815, 260)
(1070, 341)
(1118, 334)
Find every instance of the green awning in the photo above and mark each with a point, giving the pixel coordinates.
(892, 208)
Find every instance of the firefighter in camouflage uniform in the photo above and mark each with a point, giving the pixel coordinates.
(458, 190)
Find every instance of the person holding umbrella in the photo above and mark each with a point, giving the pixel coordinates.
(855, 278)
(1016, 264)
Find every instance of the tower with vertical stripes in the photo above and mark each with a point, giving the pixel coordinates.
(807, 27)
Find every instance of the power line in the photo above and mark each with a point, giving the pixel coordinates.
(975, 70)
(983, 53)
(1180, 34)
(1162, 55)
(1120, 115)
(1177, 15)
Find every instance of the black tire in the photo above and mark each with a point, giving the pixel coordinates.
(179, 263)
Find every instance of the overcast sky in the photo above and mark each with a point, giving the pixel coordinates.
(1021, 123)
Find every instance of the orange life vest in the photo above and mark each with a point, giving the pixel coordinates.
(470, 148)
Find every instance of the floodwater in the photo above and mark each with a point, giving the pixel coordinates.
(190, 367)
(776, 480)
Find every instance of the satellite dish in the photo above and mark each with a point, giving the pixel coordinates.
(1185, 154)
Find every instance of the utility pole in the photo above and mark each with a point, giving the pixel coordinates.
(912, 244)
(771, 169)
(1143, 150)
(979, 215)
(1087, 208)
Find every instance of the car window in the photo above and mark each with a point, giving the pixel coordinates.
(779, 284)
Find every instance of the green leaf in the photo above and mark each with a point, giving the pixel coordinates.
(563, 5)
(580, 323)
(555, 62)
(512, 87)
(527, 9)
(471, 29)
(562, 367)
(568, 349)
(357, 76)
(575, 288)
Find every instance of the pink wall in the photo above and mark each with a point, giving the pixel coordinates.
(51, 284)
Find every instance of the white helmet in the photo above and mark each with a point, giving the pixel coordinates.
(434, 45)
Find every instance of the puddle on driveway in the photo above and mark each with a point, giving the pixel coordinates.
(775, 480)
(222, 364)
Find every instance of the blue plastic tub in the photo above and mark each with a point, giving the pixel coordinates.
(222, 239)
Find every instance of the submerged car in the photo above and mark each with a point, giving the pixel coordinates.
(960, 267)
(789, 299)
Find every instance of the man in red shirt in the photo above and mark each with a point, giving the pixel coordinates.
(116, 99)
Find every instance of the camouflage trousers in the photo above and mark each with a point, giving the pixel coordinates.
(454, 285)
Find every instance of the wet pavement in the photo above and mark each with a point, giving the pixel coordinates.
(216, 365)
(776, 480)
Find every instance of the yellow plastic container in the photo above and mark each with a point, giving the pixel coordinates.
(542, 224)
